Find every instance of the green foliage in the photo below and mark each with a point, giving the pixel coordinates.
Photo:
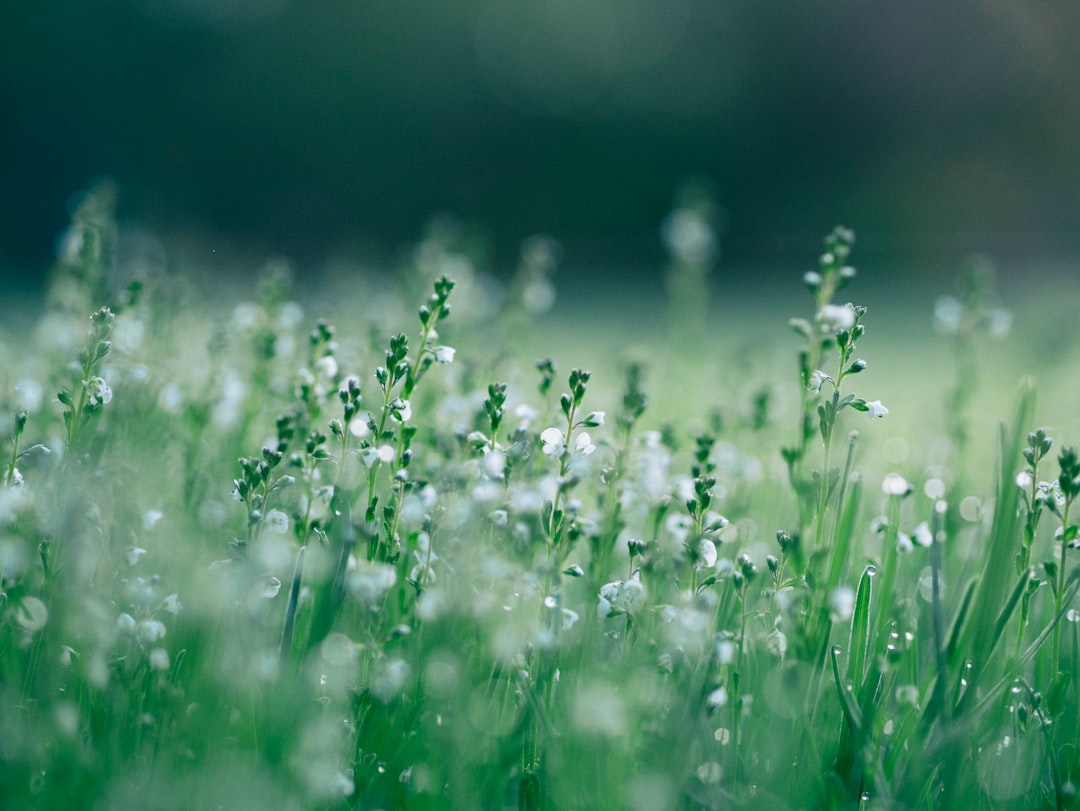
(428, 590)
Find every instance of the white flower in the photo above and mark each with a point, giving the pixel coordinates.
(149, 631)
(619, 596)
(922, 535)
(444, 354)
(97, 391)
(553, 441)
(595, 419)
(875, 409)
(841, 604)
(172, 604)
(134, 553)
(707, 553)
(837, 317)
(526, 414)
(895, 485)
(277, 522)
(125, 623)
(718, 697)
(159, 659)
(817, 380)
(903, 543)
(584, 444)
(327, 366)
(401, 410)
(150, 518)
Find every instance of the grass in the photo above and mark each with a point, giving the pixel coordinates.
(291, 550)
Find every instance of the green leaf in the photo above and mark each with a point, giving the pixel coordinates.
(859, 639)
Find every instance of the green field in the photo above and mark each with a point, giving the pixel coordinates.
(410, 538)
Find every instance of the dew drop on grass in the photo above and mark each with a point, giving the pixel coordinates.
(871, 570)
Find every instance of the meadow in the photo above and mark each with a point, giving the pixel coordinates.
(424, 540)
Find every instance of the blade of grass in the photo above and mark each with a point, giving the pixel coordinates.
(859, 639)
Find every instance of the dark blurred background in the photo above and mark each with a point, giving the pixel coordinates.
(313, 129)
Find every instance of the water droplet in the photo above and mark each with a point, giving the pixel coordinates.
(871, 570)
(864, 797)
(836, 650)
(550, 601)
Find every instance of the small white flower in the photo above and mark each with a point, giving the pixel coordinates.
(358, 425)
(595, 419)
(134, 554)
(707, 553)
(401, 410)
(149, 631)
(553, 441)
(947, 314)
(1023, 480)
(159, 659)
(385, 453)
(125, 623)
(97, 391)
(895, 485)
(150, 518)
(903, 543)
(841, 604)
(444, 354)
(584, 444)
(271, 587)
(172, 604)
(526, 414)
(327, 366)
(875, 409)
(718, 697)
(817, 380)
(569, 617)
(837, 317)
(277, 522)
(922, 535)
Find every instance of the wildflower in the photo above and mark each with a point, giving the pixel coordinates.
(817, 380)
(895, 485)
(903, 543)
(841, 604)
(875, 409)
(619, 596)
(594, 420)
(277, 522)
(837, 317)
(134, 554)
(327, 366)
(922, 535)
(401, 410)
(125, 623)
(150, 518)
(148, 631)
(718, 697)
(444, 354)
(553, 441)
(97, 391)
(584, 444)
(172, 604)
(159, 659)
(706, 552)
